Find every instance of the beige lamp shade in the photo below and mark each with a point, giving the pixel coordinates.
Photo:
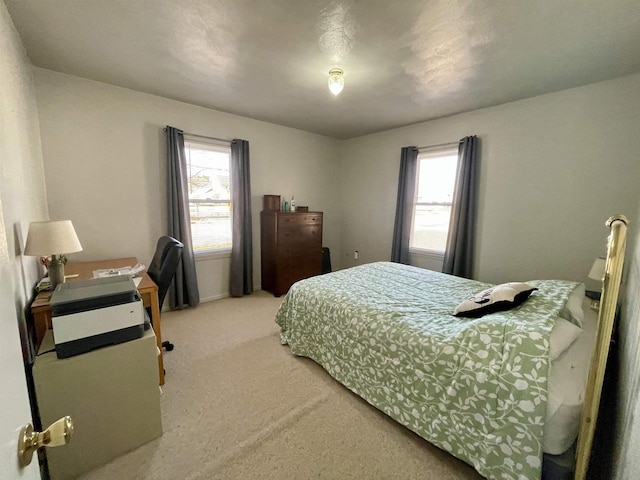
(597, 270)
(53, 237)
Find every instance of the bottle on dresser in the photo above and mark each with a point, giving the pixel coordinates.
(293, 204)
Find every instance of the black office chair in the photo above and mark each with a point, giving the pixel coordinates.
(163, 268)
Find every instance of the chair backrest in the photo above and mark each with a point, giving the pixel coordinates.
(164, 264)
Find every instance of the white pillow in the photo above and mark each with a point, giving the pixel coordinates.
(572, 310)
(563, 334)
(495, 299)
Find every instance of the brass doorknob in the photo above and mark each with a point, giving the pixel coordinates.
(59, 433)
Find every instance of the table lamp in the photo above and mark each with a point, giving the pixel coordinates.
(55, 238)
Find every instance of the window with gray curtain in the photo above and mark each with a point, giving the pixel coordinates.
(458, 256)
(458, 252)
(436, 178)
(184, 288)
(210, 206)
(404, 205)
(241, 274)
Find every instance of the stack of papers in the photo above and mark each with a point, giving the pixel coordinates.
(44, 285)
(110, 272)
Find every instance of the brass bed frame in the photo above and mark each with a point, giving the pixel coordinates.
(606, 316)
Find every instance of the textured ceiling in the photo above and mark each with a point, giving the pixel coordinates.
(405, 61)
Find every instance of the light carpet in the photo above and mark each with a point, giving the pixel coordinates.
(238, 405)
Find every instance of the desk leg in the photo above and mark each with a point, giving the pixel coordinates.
(155, 314)
(42, 321)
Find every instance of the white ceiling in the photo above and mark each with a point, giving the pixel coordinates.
(404, 61)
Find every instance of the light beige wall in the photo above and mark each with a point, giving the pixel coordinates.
(553, 169)
(22, 200)
(104, 152)
(22, 183)
(22, 186)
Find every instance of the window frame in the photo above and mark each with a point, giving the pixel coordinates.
(431, 153)
(199, 143)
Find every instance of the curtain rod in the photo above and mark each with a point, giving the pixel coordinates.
(204, 136)
(450, 144)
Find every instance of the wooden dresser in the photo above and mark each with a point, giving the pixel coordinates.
(291, 248)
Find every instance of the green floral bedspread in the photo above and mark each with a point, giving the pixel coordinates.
(476, 388)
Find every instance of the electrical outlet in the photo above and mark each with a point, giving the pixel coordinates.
(356, 254)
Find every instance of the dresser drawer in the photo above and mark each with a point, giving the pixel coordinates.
(293, 218)
(309, 264)
(294, 269)
(300, 240)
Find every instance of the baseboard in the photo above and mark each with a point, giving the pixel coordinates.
(224, 295)
(214, 297)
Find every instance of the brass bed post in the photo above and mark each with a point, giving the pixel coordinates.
(606, 316)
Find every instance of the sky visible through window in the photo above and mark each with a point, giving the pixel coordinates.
(432, 212)
(209, 196)
(436, 180)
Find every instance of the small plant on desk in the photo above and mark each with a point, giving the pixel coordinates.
(45, 260)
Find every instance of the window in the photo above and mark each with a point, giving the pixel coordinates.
(209, 184)
(435, 178)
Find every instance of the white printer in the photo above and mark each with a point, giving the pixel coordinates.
(94, 313)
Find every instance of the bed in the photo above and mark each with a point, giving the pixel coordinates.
(478, 388)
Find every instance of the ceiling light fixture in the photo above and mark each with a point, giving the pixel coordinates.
(336, 80)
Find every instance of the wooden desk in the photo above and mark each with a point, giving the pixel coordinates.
(41, 309)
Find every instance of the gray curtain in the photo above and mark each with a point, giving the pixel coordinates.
(404, 205)
(458, 256)
(241, 280)
(184, 288)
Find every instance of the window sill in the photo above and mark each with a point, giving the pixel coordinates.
(431, 254)
(212, 255)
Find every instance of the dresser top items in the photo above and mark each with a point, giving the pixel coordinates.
(274, 203)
